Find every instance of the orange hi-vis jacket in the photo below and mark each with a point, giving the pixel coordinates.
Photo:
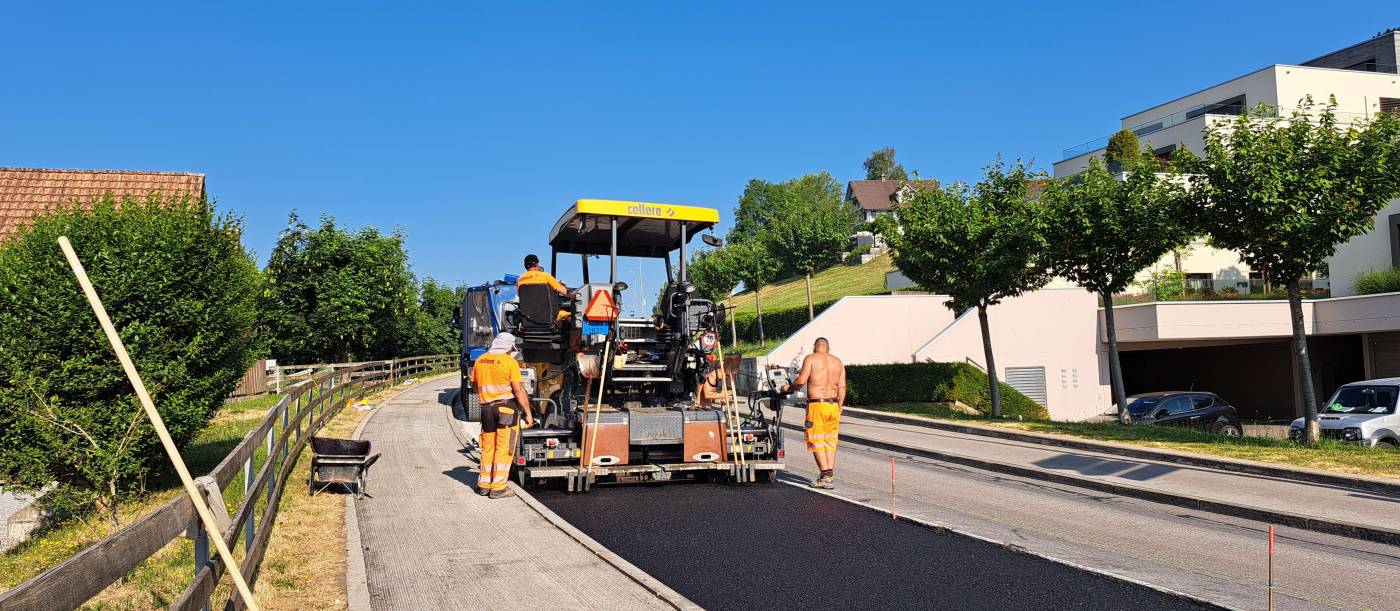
(492, 374)
(536, 276)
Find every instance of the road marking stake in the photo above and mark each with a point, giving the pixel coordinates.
(173, 452)
(893, 514)
(1271, 567)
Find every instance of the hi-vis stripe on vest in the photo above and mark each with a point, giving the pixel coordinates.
(492, 375)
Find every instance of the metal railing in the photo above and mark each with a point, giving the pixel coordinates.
(1200, 110)
(265, 459)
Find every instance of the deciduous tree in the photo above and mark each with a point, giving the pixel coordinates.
(1101, 231)
(333, 295)
(755, 268)
(810, 226)
(880, 165)
(716, 274)
(1286, 191)
(978, 246)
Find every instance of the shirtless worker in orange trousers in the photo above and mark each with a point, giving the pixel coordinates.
(825, 378)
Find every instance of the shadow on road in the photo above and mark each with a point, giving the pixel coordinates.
(463, 475)
(1097, 467)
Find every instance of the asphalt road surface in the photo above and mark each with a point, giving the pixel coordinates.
(776, 546)
(1216, 558)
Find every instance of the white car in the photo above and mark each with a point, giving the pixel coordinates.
(1360, 412)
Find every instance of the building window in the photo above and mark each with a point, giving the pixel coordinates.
(1364, 66)
(1390, 105)
(1200, 283)
(1232, 106)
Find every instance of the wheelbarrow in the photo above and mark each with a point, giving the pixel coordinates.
(339, 461)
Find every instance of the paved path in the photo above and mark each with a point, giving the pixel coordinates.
(432, 543)
(1213, 557)
(1331, 503)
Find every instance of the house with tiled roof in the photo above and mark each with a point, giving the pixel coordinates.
(25, 192)
(873, 198)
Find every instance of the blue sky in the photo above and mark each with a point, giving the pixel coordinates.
(472, 126)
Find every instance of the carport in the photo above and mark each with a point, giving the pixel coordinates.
(1256, 376)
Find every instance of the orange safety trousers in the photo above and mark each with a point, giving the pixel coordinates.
(823, 424)
(500, 434)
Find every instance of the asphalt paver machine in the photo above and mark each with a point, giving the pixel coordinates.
(616, 395)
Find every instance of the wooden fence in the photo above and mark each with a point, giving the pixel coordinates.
(253, 382)
(264, 459)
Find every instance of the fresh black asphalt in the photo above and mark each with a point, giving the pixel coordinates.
(779, 547)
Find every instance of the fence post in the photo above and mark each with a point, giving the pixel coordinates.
(272, 460)
(252, 506)
(201, 553)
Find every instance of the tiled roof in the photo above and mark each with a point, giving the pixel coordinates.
(25, 192)
(879, 194)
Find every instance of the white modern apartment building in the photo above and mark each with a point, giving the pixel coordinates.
(1051, 344)
(1361, 78)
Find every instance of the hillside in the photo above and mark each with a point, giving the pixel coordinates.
(831, 283)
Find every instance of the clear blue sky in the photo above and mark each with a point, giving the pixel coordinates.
(473, 126)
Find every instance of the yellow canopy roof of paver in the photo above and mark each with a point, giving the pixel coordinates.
(643, 230)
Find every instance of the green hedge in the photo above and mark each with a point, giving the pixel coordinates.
(1378, 281)
(776, 323)
(933, 382)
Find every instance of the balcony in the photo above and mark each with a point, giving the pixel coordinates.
(1157, 125)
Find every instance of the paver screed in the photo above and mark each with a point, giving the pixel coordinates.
(431, 543)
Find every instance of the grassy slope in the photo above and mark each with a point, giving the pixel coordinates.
(831, 283)
(1328, 455)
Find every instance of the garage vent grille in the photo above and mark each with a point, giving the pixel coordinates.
(1030, 381)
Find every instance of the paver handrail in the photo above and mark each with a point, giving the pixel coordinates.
(282, 434)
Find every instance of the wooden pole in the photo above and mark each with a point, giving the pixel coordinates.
(205, 517)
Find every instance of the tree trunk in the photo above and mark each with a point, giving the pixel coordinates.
(1115, 367)
(808, 278)
(758, 309)
(992, 383)
(1311, 430)
(734, 324)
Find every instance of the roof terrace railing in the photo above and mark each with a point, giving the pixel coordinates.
(1190, 114)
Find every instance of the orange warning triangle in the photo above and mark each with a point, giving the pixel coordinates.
(601, 307)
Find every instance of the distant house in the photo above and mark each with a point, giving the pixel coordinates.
(25, 192)
(873, 198)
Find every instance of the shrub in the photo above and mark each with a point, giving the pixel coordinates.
(180, 290)
(776, 323)
(935, 382)
(1377, 281)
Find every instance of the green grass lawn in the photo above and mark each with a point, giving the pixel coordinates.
(1328, 455)
(171, 568)
(831, 283)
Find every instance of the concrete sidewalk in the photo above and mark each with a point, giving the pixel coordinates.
(1324, 502)
(431, 543)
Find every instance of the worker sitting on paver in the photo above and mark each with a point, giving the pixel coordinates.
(714, 390)
(501, 391)
(535, 274)
(825, 378)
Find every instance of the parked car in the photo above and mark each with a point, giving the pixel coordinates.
(1201, 410)
(1360, 412)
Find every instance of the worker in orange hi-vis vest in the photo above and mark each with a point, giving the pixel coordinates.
(501, 390)
(825, 378)
(535, 274)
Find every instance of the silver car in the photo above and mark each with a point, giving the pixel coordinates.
(1360, 412)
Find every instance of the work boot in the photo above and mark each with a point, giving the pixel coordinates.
(823, 481)
(483, 491)
(502, 493)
